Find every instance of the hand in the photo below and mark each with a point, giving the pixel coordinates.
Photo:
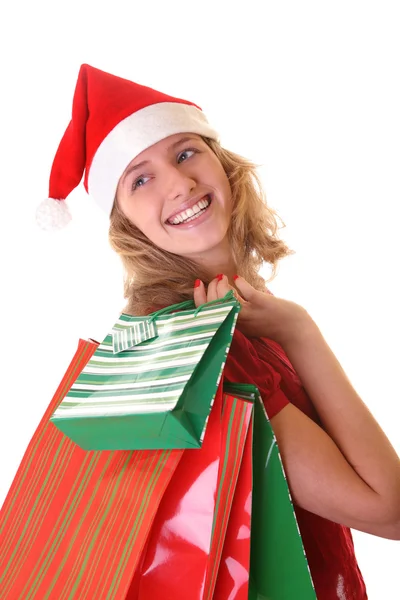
(261, 314)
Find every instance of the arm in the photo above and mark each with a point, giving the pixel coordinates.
(347, 472)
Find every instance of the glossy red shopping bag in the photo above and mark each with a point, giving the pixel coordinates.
(200, 538)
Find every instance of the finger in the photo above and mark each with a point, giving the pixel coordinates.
(246, 290)
(199, 293)
(223, 287)
(238, 297)
(212, 293)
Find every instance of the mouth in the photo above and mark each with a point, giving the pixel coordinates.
(192, 213)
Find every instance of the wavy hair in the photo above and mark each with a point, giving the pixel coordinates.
(154, 278)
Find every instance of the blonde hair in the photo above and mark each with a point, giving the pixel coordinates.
(155, 278)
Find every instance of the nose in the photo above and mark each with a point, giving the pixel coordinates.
(178, 183)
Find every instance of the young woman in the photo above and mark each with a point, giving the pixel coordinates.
(189, 220)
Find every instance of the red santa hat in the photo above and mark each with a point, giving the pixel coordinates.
(113, 120)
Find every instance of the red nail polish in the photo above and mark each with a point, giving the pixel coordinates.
(219, 277)
(197, 283)
(235, 277)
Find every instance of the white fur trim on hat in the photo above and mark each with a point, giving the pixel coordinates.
(134, 134)
(52, 214)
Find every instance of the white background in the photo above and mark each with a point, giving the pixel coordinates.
(308, 89)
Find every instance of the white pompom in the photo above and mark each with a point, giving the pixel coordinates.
(52, 214)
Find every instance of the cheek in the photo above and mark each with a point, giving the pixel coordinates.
(222, 182)
(146, 215)
(142, 210)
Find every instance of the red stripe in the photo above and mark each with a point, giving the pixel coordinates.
(234, 449)
(233, 574)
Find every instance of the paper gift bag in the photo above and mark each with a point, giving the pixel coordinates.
(152, 381)
(185, 545)
(278, 566)
(74, 523)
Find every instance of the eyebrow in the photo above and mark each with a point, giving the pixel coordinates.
(145, 162)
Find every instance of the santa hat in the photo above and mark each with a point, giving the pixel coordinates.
(113, 120)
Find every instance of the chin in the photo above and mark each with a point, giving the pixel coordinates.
(199, 247)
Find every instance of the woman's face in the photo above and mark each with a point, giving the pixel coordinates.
(177, 193)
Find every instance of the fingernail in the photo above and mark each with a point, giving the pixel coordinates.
(220, 276)
(235, 277)
(197, 283)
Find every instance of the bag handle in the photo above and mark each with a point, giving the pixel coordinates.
(145, 329)
(190, 305)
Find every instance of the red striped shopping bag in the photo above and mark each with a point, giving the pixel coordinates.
(74, 522)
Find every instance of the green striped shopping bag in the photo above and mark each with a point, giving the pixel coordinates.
(278, 564)
(151, 383)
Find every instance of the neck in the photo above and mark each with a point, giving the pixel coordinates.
(217, 260)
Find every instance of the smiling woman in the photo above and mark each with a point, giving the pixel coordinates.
(190, 220)
(177, 178)
(161, 189)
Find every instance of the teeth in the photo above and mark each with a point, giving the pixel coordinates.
(190, 213)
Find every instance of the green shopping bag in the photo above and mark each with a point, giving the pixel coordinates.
(152, 381)
(278, 564)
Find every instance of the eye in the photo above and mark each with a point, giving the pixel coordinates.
(185, 153)
(139, 182)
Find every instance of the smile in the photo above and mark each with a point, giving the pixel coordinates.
(190, 214)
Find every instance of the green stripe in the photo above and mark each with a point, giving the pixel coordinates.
(109, 534)
(151, 464)
(183, 315)
(177, 352)
(33, 457)
(167, 367)
(94, 537)
(136, 333)
(179, 331)
(145, 378)
(131, 359)
(105, 349)
(148, 390)
(105, 407)
(82, 521)
(44, 488)
(43, 454)
(71, 502)
(170, 339)
(121, 397)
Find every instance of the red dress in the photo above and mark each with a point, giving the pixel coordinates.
(329, 546)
